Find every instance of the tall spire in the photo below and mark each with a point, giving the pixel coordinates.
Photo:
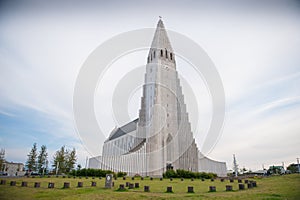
(161, 40)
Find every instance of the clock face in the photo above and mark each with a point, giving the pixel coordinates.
(108, 178)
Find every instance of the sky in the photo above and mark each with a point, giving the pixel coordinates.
(254, 45)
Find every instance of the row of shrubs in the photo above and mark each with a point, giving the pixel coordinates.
(180, 173)
(96, 173)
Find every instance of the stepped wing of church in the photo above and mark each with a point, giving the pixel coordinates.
(161, 138)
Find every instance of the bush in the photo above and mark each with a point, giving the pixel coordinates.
(121, 174)
(180, 173)
(91, 172)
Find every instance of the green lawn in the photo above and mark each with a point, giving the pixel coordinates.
(277, 187)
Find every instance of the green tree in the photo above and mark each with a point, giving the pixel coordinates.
(293, 168)
(64, 160)
(42, 159)
(59, 160)
(70, 160)
(2, 159)
(32, 158)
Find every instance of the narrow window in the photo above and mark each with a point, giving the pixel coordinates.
(148, 59)
(151, 57)
(166, 53)
(154, 54)
(161, 53)
(171, 56)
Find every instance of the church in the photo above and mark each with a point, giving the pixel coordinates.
(161, 138)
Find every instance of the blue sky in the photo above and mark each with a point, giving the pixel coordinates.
(254, 45)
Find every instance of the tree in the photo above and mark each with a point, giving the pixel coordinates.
(293, 168)
(42, 159)
(70, 160)
(32, 158)
(64, 160)
(2, 159)
(59, 160)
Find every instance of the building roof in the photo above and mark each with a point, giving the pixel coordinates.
(161, 40)
(127, 128)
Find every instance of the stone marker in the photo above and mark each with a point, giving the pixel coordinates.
(113, 184)
(212, 188)
(115, 178)
(131, 186)
(146, 188)
(202, 179)
(37, 184)
(222, 179)
(254, 184)
(100, 177)
(136, 185)
(246, 181)
(171, 179)
(241, 186)
(24, 184)
(93, 177)
(182, 179)
(169, 189)
(142, 178)
(132, 178)
(212, 180)
(93, 184)
(192, 179)
(190, 189)
(66, 185)
(127, 184)
(240, 181)
(161, 178)
(13, 183)
(108, 180)
(50, 185)
(249, 185)
(80, 184)
(121, 187)
(124, 178)
(3, 182)
(151, 178)
(231, 180)
(228, 187)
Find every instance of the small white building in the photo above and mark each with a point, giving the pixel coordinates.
(13, 169)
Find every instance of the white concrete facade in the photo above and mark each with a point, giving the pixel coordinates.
(162, 134)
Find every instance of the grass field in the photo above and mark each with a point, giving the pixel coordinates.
(276, 187)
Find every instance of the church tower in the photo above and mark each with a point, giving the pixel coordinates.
(163, 120)
(161, 138)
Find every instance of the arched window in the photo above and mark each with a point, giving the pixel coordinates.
(166, 53)
(150, 56)
(161, 53)
(148, 59)
(171, 56)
